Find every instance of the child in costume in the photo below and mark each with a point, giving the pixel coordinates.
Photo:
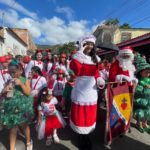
(58, 87)
(37, 62)
(16, 109)
(37, 83)
(49, 119)
(67, 92)
(142, 95)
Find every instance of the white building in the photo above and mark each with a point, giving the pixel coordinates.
(11, 43)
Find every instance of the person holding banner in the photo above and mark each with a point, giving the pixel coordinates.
(123, 69)
(119, 96)
(84, 94)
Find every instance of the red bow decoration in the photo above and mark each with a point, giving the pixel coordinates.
(5, 71)
(39, 62)
(35, 76)
(48, 50)
(39, 51)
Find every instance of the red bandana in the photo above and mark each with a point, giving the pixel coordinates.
(35, 76)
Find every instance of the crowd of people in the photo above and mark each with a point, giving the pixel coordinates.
(46, 91)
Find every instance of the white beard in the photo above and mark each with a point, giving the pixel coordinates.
(126, 64)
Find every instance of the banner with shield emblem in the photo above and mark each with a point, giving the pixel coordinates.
(119, 102)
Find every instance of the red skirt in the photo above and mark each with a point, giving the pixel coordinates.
(52, 122)
(83, 118)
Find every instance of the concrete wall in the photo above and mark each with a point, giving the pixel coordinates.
(13, 45)
(2, 52)
(134, 33)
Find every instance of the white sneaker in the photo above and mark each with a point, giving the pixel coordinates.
(49, 141)
(30, 145)
(56, 138)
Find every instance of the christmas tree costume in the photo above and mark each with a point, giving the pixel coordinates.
(142, 92)
(18, 109)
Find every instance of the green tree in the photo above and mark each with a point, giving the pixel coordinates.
(112, 21)
(125, 26)
(67, 48)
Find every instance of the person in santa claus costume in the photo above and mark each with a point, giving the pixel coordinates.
(123, 69)
(84, 94)
(37, 62)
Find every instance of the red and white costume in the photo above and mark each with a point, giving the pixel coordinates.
(51, 118)
(119, 72)
(4, 75)
(84, 94)
(104, 74)
(58, 87)
(49, 66)
(33, 63)
(37, 83)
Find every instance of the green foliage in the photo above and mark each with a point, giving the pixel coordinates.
(116, 22)
(112, 21)
(67, 48)
(57, 49)
(125, 26)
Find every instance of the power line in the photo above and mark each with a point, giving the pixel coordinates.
(131, 8)
(141, 20)
(116, 9)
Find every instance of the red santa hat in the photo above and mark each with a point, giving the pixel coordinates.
(26, 59)
(8, 57)
(126, 50)
(3, 59)
(88, 38)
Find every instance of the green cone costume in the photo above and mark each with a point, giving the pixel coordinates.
(142, 92)
(16, 110)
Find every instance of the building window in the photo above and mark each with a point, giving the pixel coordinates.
(125, 36)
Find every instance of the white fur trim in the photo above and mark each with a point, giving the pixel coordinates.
(79, 56)
(88, 38)
(85, 103)
(128, 51)
(98, 58)
(82, 130)
(84, 59)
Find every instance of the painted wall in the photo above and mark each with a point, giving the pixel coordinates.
(13, 45)
(134, 34)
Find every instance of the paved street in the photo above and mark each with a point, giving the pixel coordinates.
(133, 140)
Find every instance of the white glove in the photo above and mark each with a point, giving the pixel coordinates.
(34, 93)
(120, 78)
(82, 48)
(135, 80)
(100, 82)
